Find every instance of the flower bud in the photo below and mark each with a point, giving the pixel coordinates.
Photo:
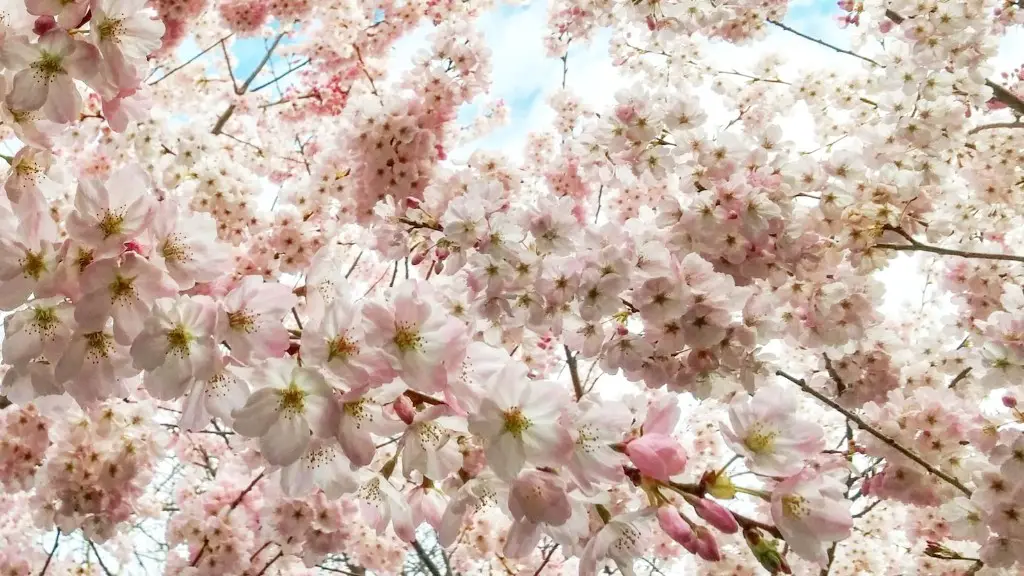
(673, 524)
(716, 515)
(44, 24)
(404, 408)
(657, 456)
(1009, 401)
(707, 546)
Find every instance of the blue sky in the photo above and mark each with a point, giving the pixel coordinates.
(523, 75)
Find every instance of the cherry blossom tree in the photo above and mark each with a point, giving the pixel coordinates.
(735, 311)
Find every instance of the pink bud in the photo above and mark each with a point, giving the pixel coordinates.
(657, 456)
(1009, 401)
(417, 258)
(44, 24)
(438, 267)
(672, 523)
(442, 252)
(716, 515)
(404, 409)
(707, 546)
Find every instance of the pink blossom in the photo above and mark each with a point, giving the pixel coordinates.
(176, 345)
(109, 214)
(811, 511)
(47, 74)
(518, 422)
(123, 288)
(289, 402)
(657, 455)
(252, 319)
(766, 430)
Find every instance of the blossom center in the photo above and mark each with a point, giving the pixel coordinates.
(516, 422)
(795, 506)
(760, 441)
(293, 399)
(45, 318)
(341, 348)
(111, 224)
(122, 288)
(407, 338)
(49, 64)
(178, 340)
(172, 250)
(110, 29)
(241, 321)
(33, 264)
(99, 343)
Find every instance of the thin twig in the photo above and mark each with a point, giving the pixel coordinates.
(871, 430)
(49, 557)
(823, 43)
(353, 266)
(577, 386)
(267, 565)
(305, 62)
(999, 93)
(996, 125)
(427, 562)
(234, 504)
(963, 374)
(547, 558)
(99, 559)
(915, 246)
(191, 60)
(231, 71)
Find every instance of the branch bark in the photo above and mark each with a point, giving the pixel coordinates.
(574, 372)
(915, 246)
(874, 432)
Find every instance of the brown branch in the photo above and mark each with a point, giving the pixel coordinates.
(234, 504)
(99, 558)
(915, 246)
(425, 559)
(547, 558)
(239, 90)
(823, 43)
(999, 93)
(996, 125)
(574, 372)
(874, 432)
(191, 60)
(304, 63)
(963, 374)
(49, 557)
(267, 565)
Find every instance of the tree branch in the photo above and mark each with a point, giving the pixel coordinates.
(999, 93)
(99, 558)
(547, 558)
(871, 430)
(574, 372)
(239, 90)
(425, 558)
(49, 557)
(996, 125)
(915, 246)
(823, 43)
(234, 504)
(191, 60)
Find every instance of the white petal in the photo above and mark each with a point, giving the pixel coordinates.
(286, 440)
